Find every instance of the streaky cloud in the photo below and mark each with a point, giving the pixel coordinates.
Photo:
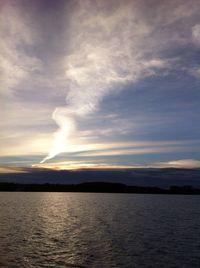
(105, 55)
(16, 35)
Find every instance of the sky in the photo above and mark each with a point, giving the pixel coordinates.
(99, 84)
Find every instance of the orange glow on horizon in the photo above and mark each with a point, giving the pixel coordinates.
(80, 166)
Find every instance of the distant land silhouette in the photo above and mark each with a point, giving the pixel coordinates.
(97, 187)
(145, 177)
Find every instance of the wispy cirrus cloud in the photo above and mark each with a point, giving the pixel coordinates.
(88, 52)
(16, 37)
(183, 163)
(99, 164)
(6, 170)
(97, 30)
(113, 44)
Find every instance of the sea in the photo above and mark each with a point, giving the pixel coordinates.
(99, 230)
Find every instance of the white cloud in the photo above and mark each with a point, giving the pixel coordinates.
(15, 36)
(99, 164)
(183, 163)
(108, 50)
(195, 71)
(140, 151)
(108, 44)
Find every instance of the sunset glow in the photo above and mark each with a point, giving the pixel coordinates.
(102, 84)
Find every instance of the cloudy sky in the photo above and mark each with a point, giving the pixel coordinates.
(94, 83)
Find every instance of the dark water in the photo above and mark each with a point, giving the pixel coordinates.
(99, 230)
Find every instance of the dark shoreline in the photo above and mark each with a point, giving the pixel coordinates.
(97, 187)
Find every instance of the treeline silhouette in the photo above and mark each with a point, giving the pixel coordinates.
(145, 177)
(97, 187)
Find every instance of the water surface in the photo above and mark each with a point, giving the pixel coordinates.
(99, 230)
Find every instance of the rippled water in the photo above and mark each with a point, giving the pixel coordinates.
(99, 230)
